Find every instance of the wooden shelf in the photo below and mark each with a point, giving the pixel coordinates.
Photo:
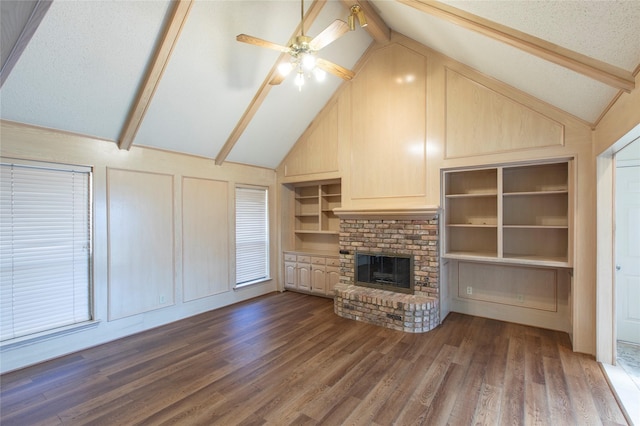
(470, 182)
(535, 227)
(471, 254)
(488, 194)
(517, 194)
(511, 213)
(315, 227)
(538, 260)
(304, 231)
(472, 211)
(467, 225)
(545, 261)
(536, 178)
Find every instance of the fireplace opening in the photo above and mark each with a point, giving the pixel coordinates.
(385, 271)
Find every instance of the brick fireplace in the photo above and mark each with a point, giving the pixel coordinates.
(403, 232)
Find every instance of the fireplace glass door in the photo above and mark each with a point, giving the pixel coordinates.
(385, 271)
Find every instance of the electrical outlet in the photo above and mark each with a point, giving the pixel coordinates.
(520, 298)
(469, 290)
(162, 301)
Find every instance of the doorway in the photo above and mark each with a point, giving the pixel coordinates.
(607, 276)
(627, 259)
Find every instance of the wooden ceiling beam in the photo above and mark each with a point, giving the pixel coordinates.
(38, 12)
(161, 57)
(263, 91)
(376, 27)
(592, 68)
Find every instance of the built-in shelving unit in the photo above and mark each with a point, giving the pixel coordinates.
(311, 262)
(315, 226)
(471, 212)
(511, 213)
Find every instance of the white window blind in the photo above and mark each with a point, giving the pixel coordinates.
(45, 235)
(252, 235)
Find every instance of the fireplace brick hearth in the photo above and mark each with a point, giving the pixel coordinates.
(415, 313)
(404, 312)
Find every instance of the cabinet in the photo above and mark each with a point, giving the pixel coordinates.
(304, 274)
(315, 226)
(511, 213)
(311, 274)
(311, 263)
(318, 278)
(290, 274)
(332, 274)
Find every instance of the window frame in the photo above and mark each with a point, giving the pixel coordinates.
(90, 321)
(267, 235)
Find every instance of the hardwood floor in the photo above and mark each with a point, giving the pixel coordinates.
(287, 359)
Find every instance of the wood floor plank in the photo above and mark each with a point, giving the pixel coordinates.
(536, 405)
(489, 407)
(286, 358)
(441, 406)
(419, 401)
(366, 411)
(464, 408)
(512, 405)
(558, 400)
(601, 394)
(584, 409)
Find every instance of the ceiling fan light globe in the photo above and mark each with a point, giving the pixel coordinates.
(320, 75)
(285, 68)
(308, 62)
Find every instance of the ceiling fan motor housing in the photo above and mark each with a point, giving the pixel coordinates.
(301, 46)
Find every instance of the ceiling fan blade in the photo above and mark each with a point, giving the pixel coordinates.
(329, 34)
(260, 42)
(335, 69)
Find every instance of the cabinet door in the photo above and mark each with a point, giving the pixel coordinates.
(318, 279)
(290, 275)
(304, 276)
(332, 278)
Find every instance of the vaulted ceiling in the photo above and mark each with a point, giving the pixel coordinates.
(171, 75)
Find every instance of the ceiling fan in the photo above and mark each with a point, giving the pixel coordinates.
(302, 51)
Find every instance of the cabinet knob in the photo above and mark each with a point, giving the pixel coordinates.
(618, 267)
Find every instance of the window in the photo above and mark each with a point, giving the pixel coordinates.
(45, 250)
(252, 235)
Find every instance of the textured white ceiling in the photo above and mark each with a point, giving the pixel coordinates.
(211, 78)
(81, 70)
(287, 112)
(605, 30)
(572, 92)
(84, 65)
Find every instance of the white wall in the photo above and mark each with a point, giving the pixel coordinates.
(163, 236)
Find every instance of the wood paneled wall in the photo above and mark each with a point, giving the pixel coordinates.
(394, 139)
(205, 247)
(388, 156)
(141, 241)
(163, 235)
(482, 121)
